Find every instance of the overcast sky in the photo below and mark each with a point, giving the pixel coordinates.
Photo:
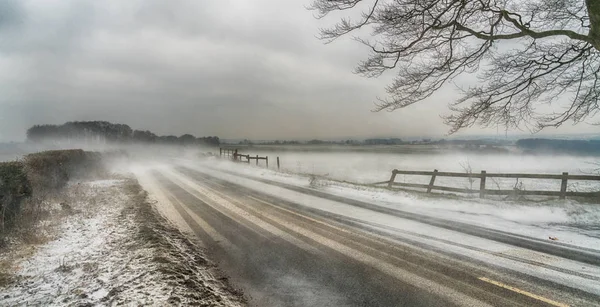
(232, 68)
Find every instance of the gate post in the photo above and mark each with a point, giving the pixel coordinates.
(432, 181)
(392, 178)
(482, 185)
(563, 185)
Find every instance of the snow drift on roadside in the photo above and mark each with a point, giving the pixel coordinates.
(115, 250)
(570, 221)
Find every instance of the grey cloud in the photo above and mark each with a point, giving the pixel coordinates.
(50, 28)
(232, 68)
(11, 14)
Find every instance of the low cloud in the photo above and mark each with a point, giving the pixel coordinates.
(234, 68)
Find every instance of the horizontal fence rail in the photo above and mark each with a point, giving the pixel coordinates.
(498, 175)
(483, 176)
(235, 156)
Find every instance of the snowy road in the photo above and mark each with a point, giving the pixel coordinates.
(291, 246)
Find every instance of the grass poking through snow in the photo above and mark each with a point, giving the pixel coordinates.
(110, 247)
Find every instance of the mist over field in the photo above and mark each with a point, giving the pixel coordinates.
(359, 164)
(362, 165)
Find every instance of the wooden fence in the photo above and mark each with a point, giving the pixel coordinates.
(483, 191)
(227, 152)
(240, 157)
(234, 155)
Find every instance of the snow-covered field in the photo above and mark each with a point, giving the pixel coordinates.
(569, 221)
(369, 167)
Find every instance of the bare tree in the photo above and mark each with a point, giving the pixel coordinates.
(527, 55)
(466, 166)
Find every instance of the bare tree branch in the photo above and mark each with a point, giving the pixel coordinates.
(538, 61)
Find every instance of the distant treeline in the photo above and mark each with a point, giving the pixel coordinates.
(102, 131)
(566, 146)
(392, 141)
(322, 142)
(385, 141)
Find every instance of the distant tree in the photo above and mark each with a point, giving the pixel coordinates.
(168, 140)
(124, 133)
(187, 139)
(40, 132)
(392, 141)
(103, 131)
(209, 141)
(91, 131)
(171, 139)
(214, 140)
(144, 136)
(551, 54)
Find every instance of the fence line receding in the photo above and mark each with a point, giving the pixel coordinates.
(483, 176)
(235, 156)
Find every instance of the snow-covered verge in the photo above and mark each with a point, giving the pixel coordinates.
(112, 248)
(373, 166)
(568, 221)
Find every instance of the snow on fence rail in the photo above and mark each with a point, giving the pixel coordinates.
(564, 177)
(233, 153)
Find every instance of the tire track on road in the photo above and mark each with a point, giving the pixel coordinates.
(382, 255)
(243, 190)
(259, 264)
(563, 250)
(383, 266)
(219, 202)
(361, 224)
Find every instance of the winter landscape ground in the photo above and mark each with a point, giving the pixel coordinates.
(504, 214)
(215, 232)
(102, 242)
(368, 166)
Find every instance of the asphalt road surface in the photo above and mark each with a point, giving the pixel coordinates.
(284, 252)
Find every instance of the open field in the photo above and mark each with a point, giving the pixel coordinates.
(376, 165)
(296, 239)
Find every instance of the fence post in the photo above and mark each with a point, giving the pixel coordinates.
(277, 163)
(392, 179)
(432, 181)
(220, 152)
(256, 159)
(563, 185)
(235, 155)
(482, 185)
(267, 160)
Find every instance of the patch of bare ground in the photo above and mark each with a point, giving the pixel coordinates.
(105, 244)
